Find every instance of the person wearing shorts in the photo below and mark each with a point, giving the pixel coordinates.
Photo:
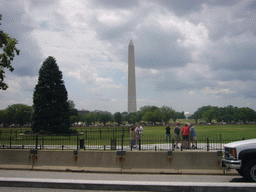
(177, 135)
(193, 136)
(185, 132)
(139, 130)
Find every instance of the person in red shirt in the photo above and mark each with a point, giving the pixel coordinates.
(185, 132)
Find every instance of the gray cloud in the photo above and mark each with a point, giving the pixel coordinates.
(181, 7)
(233, 56)
(116, 4)
(156, 50)
(169, 81)
(251, 94)
(18, 26)
(42, 3)
(243, 75)
(221, 2)
(108, 33)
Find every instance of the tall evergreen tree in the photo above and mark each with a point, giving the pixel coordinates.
(51, 108)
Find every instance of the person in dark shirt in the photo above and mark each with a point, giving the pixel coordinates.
(168, 133)
(193, 136)
(177, 135)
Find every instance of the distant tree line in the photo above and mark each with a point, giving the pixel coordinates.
(148, 114)
(20, 114)
(228, 114)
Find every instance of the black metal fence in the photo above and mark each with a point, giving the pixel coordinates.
(106, 140)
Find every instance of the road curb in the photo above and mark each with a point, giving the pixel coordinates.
(125, 185)
(119, 170)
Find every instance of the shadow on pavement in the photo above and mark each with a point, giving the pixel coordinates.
(240, 180)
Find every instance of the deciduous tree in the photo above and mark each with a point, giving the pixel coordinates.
(105, 117)
(7, 53)
(89, 118)
(166, 113)
(118, 118)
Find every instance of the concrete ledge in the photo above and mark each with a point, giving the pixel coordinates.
(158, 162)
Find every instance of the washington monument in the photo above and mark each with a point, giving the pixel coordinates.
(131, 79)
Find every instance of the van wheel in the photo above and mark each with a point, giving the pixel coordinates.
(250, 171)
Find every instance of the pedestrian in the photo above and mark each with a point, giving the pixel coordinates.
(193, 136)
(139, 130)
(168, 133)
(133, 137)
(185, 132)
(177, 135)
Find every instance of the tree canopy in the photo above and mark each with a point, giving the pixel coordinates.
(226, 114)
(18, 114)
(8, 50)
(51, 108)
(118, 118)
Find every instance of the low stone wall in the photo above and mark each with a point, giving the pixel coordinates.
(100, 160)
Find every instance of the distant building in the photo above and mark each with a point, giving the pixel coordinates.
(83, 112)
(99, 111)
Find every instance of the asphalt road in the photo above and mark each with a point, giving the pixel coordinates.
(21, 189)
(185, 181)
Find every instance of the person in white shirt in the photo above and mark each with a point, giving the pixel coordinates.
(139, 130)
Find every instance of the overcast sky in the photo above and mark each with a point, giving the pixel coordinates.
(188, 54)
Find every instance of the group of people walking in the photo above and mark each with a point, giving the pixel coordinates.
(188, 133)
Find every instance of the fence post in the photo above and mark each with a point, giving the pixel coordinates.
(77, 141)
(36, 141)
(207, 144)
(220, 143)
(42, 142)
(122, 142)
(173, 148)
(139, 144)
(10, 142)
(100, 133)
(181, 146)
(113, 133)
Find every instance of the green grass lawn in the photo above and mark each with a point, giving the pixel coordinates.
(213, 131)
(93, 136)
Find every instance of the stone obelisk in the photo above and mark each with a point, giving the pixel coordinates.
(131, 79)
